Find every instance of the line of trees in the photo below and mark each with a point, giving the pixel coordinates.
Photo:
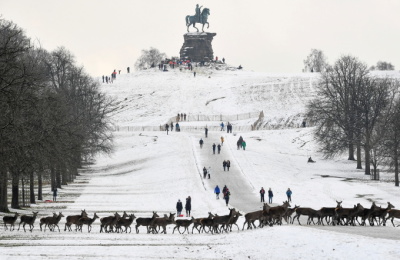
(52, 116)
(357, 113)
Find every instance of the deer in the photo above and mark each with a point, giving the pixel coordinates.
(86, 221)
(223, 220)
(381, 214)
(255, 215)
(109, 221)
(10, 220)
(289, 212)
(163, 222)
(145, 222)
(73, 219)
(125, 222)
(366, 214)
(352, 216)
(51, 222)
(234, 220)
(311, 213)
(347, 213)
(393, 213)
(183, 223)
(207, 222)
(278, 212)
(30, 220)
(329, 213)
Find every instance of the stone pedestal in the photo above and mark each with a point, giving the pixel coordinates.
(197, 46)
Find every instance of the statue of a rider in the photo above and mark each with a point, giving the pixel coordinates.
(198, 12)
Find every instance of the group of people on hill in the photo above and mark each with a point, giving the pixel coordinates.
(225, 192)
(226, 164)
(181, 117)
(271, 195)
(110, 79)
(188, 207)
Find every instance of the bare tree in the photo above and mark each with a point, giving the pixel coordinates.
(382, 65)
(149, 58)
(315, 61)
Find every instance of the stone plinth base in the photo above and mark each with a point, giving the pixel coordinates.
(197, 46)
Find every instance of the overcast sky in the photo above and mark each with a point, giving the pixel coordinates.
(261, 35)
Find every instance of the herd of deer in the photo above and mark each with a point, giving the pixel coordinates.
(214, 223)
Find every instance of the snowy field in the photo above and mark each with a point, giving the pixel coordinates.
(150, 170)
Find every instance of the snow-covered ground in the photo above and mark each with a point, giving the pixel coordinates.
(150, 170)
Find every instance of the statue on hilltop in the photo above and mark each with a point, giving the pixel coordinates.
(199, 17)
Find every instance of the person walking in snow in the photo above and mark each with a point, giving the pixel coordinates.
(179, 208)
(217, 191)
(219, 148)
(166, 128)
(289, 195)
(213, 147)
(188, 206)
(224, 164)
(226, 196)
(128, 69)
(184, 116)
(222, 140)
(206, 131)
(244, 145)
(209, 172)
(204, 172)
(55, 194)
(201, 142)
(262, 193)
(103, 78)
(172, 127)
(228, 164)
(224, 190)
(222, 126)
(270, 195)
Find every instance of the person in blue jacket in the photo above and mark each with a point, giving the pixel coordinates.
(217, 191)
(270, 195)
(289, 195)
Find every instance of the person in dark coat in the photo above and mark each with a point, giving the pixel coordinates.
(103, 78)
(228, 164)
(209, 172)
(172, 127)
(219, 148)
(224, 164)
(179, 208)
(188, 206)
(55, 194)
(167, 128)
(204, 172)
(213, 147)
(128, 69)
(201, 142)
(217, 191)
(262, 193)
(224, 189)
(226, 196)
(206, 131)
(270, 195)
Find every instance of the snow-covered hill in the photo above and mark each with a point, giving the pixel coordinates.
(150, 170)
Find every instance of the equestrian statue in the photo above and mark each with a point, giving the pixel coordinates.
(199, 17)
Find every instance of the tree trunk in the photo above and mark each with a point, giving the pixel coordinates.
(58, 176)
(14, 191)
(359, 164)
(40, 184)
(367, 160)
(396, 168)
(52, 177)
(64, 174)
(3, 191)
(351, 152)
(32, 188)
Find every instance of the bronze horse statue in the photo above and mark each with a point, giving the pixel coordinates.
(193, 19)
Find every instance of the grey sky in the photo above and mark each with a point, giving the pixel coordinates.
(261, 35)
